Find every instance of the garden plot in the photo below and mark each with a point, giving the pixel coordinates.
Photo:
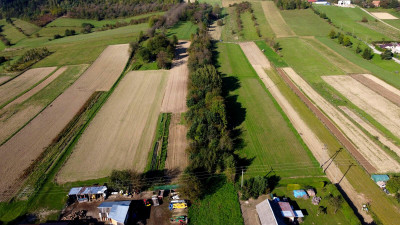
(381, 109)
(23, 82)
(374, 155)
(121, 134)
(41, 131)
(4, 79)
(175, 95)
(275, 20)
(384, 16)
(177, 157)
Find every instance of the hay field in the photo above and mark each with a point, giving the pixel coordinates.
(384, 16)
(22, 83)
(275, 20)
(175, 96)
(121, 135)
(41, 131)
(376, 156)
(381, 109)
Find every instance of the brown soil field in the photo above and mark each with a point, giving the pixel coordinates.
(275, 20)
(4, 79)
(254, 55)
(23, 82)
(390, 93)
(214, 30)
(175, 95)
(366, 152)
(122, 138)
(370, 129)
(313, 143)
(384, 16)
(41, 131)
(381, 109)
(177, 158)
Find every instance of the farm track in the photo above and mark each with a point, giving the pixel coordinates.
(45, 127)
(254, 55)
(276, 21)
(177, 158)
(312, 141)
(23, 82)
(377, 106)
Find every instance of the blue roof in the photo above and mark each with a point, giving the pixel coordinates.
(111, 204)
(299, 193)
(379, 177)
(87, 190)
(119, 213)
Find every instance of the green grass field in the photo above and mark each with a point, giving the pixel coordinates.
(11, 33)
(271, 55)
(51, 31)
(219, 207)
(27, 27)
(249, 30)
(183, 30)
(269, 138)
(306, 22)
(230, 29)
(265, 28)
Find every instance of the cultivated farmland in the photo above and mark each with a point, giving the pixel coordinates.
(22, 83)
(119, 139)
(384, 16)
(275, 20)
(177, 157)
(41, 131)
(381, 109)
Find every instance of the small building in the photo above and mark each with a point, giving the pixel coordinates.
(376, 3)
(114, 212)
(393, 47)
(300, 194)
(275, 212)
(380, 180)
(344, 3)
(288, 212)
(321, 2)
(87, 194)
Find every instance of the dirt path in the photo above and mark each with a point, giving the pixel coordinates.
(370, 129)
(119, 139)
(175, 95)
(275, 20)
(254, 55)
(215, 31)
(390, 93)
(381, 109)
(23, 82)
(177, 158)
(363, 149)
(42, 130)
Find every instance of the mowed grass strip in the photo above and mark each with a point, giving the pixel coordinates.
(265, 28)
(270, 54)
(269, 138)
(183, 30)
(306, 23)
(249, 30)
(27, 27)
(119, 139)
(11, 33)
(275, 20)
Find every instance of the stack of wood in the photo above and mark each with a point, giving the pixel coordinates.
(78, 215)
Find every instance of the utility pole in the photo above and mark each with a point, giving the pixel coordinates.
(242, 180)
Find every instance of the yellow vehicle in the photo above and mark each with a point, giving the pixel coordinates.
(177, 206)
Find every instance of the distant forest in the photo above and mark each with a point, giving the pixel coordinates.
(43, 11)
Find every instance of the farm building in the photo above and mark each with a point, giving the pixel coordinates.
(344, 3)
(321, 2)
(380, 179)
(376, 3)
(87, 194)
(275, 212)
(394, 47)
(114, 212)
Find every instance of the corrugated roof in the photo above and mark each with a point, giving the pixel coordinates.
(286, 209)
(111, 204)
(87, 190)
(119, 213)
(265, 213)
(298, 213)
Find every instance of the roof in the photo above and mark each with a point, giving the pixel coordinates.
(299, 193)
(265, 213)
(311, 0)
(379, 177)
(286, 209)
(298, 213)
(111, 204)
(87, 190)
(119, 213)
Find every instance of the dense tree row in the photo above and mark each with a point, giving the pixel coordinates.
(29, 58)
(292, 4)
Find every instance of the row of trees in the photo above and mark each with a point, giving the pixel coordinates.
(29, 58)
(346, 41)
(292, 4)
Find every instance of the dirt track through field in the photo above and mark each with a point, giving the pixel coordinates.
(121, 134)
(363, 149)
(177, 158)
(254, 55)
(275, 20)
(384, 16)
(42, 130)
(313, 143)
(370, 129)
(390, 93)
(175, 95)
(381, 109)
(23, 82)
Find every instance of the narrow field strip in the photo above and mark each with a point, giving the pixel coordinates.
(275, 20)
(3, 79)
(45, 127)
(254, 55)
(177, 158)
(381, 109)
(367, 153)
(389, 92)
(121, 134)
(23, 82)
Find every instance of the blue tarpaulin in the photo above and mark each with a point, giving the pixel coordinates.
(380, 177)
(299, 193)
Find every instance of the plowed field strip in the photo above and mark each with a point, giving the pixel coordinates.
(275, 20)
(177, 157)
(254, 55)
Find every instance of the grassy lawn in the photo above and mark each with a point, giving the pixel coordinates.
(249, 30)
(219, 206)
(305, 22)
(183, 30)
(265, 28)
(27, 27)
(269, 140)
(271, 55)
(12, 33)
(350, 20)
(51, 31)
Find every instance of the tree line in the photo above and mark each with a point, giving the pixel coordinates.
(29, 58)
(292, 4)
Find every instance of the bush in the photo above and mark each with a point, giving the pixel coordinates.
(57, 36)
(393, 184)
(358, 49)
(387, 55)
(163, 60)
(367, 53)
(254, 187)
(126, 180)
(346, 41)
(332, 34)
(69, 32)
(364, 19)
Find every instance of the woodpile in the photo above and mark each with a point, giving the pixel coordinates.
(78, 215)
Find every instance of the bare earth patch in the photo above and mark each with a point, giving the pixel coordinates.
(381, 109)
(121, 134)
(177, 157)
(254, 55)
(23, 82)
(175, 95)
(4, 79)
(275, 20)
(42, 130)
(384, 16)
(376, 157)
